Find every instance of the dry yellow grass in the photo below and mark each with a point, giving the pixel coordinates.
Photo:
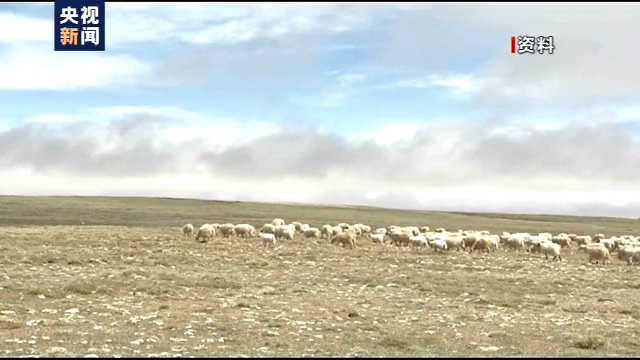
(144, 289)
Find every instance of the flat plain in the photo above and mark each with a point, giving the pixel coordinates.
(128, 283)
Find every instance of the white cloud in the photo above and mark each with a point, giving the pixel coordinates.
(340, 88)
(456, 83)
(168, 151)
(387, 135)
(593, 63)
(30, 28)
(558, 152)
(32, 67)
(228, 24)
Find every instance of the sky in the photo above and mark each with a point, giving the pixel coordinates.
(417, 106)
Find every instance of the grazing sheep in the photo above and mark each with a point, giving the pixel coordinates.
(345, 238)
(608, 243)
(268, 240)
(483, 244)
(532, 245)
(227, 230)
(438, 245)
(454, 242)
(635, 258)
(336, 230)
(597, 252)
(277, 222)
(268, 229)
(495, 241)
(245, 231)
(549, 248)
(504, 237)
(424, 229)
(531, 240)
(399, 238)
(625, 253)
(297, 226)
(206, 233)
(515, 242)
(311, 233)
(377, 238)
(187, 230)
(280, 230)
(288, 234)
(547, 235)
(355, 230)
(418, 241)
(585, 240)
(470, 239)
(381, 231)
(343, 226)
(326, 231)
(562, 240)
(359, 227)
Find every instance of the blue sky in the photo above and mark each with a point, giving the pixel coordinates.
(418, 106)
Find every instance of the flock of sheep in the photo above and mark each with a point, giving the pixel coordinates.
(597, 247)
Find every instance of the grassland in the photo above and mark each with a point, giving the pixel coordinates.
(127, 283)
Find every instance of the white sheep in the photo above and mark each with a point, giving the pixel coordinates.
(454, 242)
(418, 241)
(345, 238)
(377, 238)
(597, 252)
(227, 230)
(206, 232)
(399, 238)
(311, 233)
(470, 239)
(326, 231)
(268, 229)
(268, 240)
(245, 230)
(297, 226)
(547, 235)
(187, 230)
(549, 248)
(438, 245)
(355, 229)
(483, 244)
(635, 258)
(515, 242)
(495, 241)
(563, 240)
(504, 237)
(608, 243)
(277, 222)
(625, 253)
(288, 234)
(585, 239)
